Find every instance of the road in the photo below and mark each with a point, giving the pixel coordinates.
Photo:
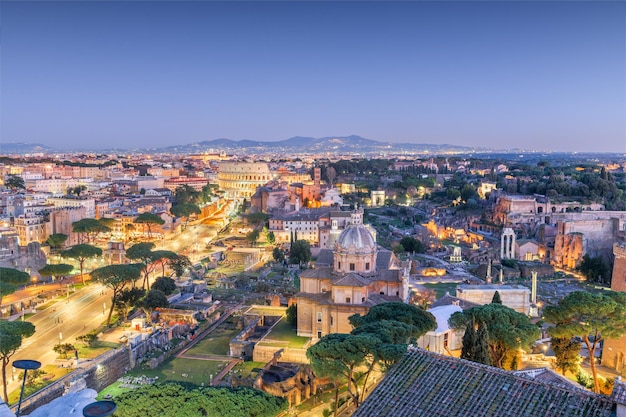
(63, 321)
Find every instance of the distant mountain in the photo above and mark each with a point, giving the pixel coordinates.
(293, 145)
(352, 143)
(7, 148)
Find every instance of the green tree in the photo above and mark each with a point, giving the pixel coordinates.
(175, 399)
(341, 355)
(90, 339)
(271, 238)
(56, 270)
(567, 352)
(481, 353)
(81, 253)
(185, 195)
(117, 277)
(11, 335)
(165, 285)
(142, 253)
(496, 298)
(300, 252)
(127, 299)
(149, 219)
(278, 255)
(56, 241)
(292, 314)
(62, 349)
(163, 257)
(179, 264)
(154, 299)
(468, 347)
(14, 182)
(185, 210)
(397, 249)
(421, 321)
(508, 330)
(252, 236)
(90, 228)
(593, 317)
(594, 269)
(410, 244)
(10, 279)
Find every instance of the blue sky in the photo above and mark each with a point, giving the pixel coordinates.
(534, 75)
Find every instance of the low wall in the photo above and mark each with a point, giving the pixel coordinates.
(266, 354)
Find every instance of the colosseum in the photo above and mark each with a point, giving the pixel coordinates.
(240, 179)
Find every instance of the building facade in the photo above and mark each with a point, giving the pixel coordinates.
(348, 279)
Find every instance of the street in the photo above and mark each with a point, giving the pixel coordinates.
(62, 322)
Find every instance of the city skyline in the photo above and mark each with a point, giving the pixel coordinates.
(547, 76)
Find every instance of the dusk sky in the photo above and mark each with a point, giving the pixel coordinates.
(536, 75)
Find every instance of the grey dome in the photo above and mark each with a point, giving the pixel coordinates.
(356, 237)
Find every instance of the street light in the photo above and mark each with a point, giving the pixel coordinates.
(99, 409)
(24, 364)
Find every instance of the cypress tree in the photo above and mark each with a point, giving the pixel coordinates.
(481, 352)
(469, 341)
(496, 298)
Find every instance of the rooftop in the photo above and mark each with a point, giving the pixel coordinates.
(428, 384)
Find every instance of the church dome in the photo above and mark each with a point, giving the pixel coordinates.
(356, 238)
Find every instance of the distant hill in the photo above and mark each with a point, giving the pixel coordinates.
(7, 148)
(352, 143)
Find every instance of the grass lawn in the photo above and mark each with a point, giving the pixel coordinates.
(442, 288)
(51, 374)
(92, 352)
(250, 369)
(218, 342)
(283, 331)
(183, 370)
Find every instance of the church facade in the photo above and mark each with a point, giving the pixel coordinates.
(348, 279)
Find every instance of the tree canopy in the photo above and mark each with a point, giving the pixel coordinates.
(508, 330)
(379, 338)
(179, 264)
(153, 299)
(90, 228)
(592, 317)
(410, 244)
(56, 270)
(165, 285)
(14, 182)
(420, 320)
(149, 219)
(116, 277)
(567, 353)
(300, 252)
(10, 279)
(173, 399)
(81, 253)
(11, 335)
(56, 240)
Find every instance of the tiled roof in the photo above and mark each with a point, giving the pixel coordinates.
(428, 384)
(325, 257)
(351, 280)
(619, 391)
(448, 299)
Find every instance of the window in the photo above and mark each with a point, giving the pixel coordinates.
(332, 321)
(319, 334)
(338, 265)
(445, 340)
(352, 267)
(362, 299)
(319, 317)
(367, 266)
(348, 300)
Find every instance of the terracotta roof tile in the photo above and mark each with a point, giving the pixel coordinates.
(428, 384)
